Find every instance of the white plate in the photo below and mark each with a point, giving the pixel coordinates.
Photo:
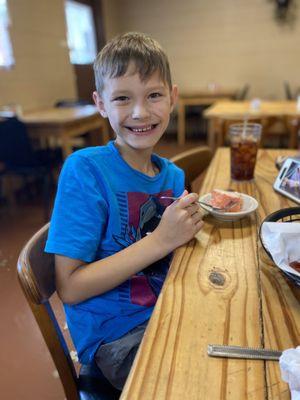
(249, 206)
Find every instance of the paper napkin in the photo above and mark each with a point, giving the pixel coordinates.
(289, 363)
(282, 240)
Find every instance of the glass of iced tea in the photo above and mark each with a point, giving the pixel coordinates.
(244, 142)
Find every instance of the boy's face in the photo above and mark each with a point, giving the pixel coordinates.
(138, 112)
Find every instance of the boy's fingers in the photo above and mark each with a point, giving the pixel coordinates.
(199, 225)
(187, 200)
(184, 193)
(197, 217)
(192, 209)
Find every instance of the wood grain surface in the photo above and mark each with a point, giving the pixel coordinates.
(240, 109)
(59, 114)
(221, 289)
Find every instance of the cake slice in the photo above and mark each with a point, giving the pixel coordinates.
(223, 199)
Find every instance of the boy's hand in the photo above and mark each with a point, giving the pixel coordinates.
(180, 222)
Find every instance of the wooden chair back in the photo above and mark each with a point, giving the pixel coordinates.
(36, 273)
(193, 162)
(288, 91)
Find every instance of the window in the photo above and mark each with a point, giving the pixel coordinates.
(6, 53)
(80, 32)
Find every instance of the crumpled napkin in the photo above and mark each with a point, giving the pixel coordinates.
(289, 363)
(282, 241)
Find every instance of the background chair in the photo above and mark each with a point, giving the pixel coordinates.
(18, 158)
(288, 91)
(37, 278)
(242, 94)
(193, 162)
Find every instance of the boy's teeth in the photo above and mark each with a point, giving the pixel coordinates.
(147, 128)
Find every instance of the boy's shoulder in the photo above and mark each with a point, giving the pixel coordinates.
(91, 155)
(93, 152)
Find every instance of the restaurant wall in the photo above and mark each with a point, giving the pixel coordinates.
(42, 73)
(230, 42)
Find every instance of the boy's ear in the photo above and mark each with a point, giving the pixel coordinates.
(99, 104)
(174, 96)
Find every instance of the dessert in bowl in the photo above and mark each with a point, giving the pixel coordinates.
(232, 205)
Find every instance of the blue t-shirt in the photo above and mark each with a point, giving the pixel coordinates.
(102, 206)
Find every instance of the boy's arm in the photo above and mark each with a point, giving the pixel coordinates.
(77, 281)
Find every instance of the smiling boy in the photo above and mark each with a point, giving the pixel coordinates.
(111, 232)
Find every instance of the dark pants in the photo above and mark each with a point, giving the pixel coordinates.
(115, 359)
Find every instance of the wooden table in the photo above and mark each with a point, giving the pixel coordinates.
(198, 98)
(66, 123)
(221, 289)
(239, 110)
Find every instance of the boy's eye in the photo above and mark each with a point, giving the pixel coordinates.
(120, 98)
(155, 95)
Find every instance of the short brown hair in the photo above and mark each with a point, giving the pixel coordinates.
(145, 53)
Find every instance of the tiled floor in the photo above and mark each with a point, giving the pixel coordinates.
(27, 370)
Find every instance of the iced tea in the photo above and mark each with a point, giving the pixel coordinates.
(243, 159)
(244, 139)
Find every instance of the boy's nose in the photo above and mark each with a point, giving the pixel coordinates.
(140, 111)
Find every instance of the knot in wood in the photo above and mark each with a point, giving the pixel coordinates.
(217, 278)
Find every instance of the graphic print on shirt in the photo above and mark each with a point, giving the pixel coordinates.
(140, 214)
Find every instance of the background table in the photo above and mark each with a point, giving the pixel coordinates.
(66, 123)
(239, 110)
(221, 289)
(198, 98)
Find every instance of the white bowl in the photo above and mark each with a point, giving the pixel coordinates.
(249, 206)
